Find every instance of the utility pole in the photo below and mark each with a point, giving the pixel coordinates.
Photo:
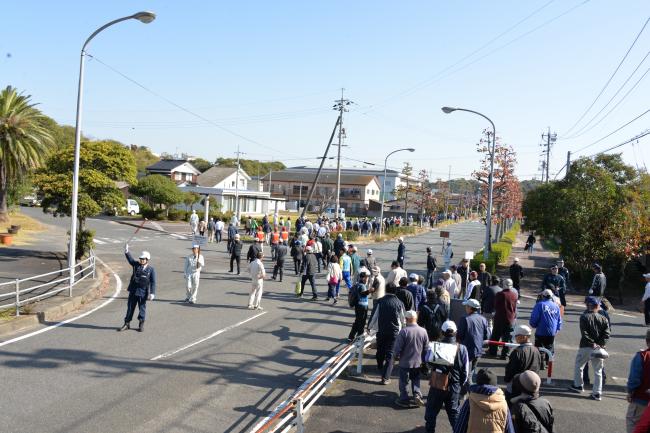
(237, 186)
(448, 193)
(340, 106)
(550, 140)
(568, 162)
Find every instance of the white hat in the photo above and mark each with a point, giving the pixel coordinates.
(547, 293)
(400, 239)
(196, 246)
(448, 242)
(369, 251)
(449, 325)
(646, 275)
(413, 276)
(472, 303)
(237, 236)
(145, 255)
(410, 314)
(446, 271)
(516, 259)
(523, 330)
(308, 248)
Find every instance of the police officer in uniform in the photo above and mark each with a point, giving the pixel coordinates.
(142, 287)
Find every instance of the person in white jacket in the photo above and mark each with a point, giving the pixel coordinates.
(447, 254)
(258, 273)
(449, 284)
(194, 222)
(334, 277)
(396, 273)
(193, 265)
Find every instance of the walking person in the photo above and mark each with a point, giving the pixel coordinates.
(433, 314)
(547, 321)
(401, 251)
(256, 247)
(142, 288)
(410, 346)
(556, 283)
(447, 254)
(594, 334)
(235, 253)
(232, 233)
(638, 385)
(387, 319)
(359, 301)
(211, 229)
(346, 268)
(505, 314)
(308, 270)
(418, 292)
(258, 273)
(202, 227)
(645, 299)
(458, 279)
(193, 265)
(564, 272)
(516, 274)
(280, 256)
(530, 243)
(334, 277)
(455, 375)
(194, 222)
(472, 332)
(218, 230)
(488, 296)
(431, 268)
(297, 253)
(404, 295)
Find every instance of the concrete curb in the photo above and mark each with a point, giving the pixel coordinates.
(54, 308)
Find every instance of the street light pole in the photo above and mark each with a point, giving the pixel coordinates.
(488, 219)
(146, 18)
(383, 188)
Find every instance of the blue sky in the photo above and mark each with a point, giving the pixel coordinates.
(270, 71)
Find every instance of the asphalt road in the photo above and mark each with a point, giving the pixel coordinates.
(84, 376)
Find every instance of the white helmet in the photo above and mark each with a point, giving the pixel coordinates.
(145, 255)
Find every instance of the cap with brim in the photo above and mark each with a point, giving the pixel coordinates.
(410, 314)
(592, 300)
(446, 271)
(547, 293)
(195, 246)
(369, 252)
(449, 326)
(523, 330)
(413, 276)
(516, 259)
(472, 303)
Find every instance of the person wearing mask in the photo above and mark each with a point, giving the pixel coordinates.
(473, 331)
(638, 385)
(529, 411)
(485, 409)
(505, 313)
(396, 274)
(280, 256)
(410, 346)
(193, 265)
(404, 295)
(387, 320)
(235, 252)
(594, 334)
(645, 299)
(142, 288)
(431, 268)
(417, 291)
(360, 305)
(487, 300)
(522, 358)
(547, 321)
(432, 315)
(258, 273)
(457, 375)
(516, 274)
(308, 270)
(473, 287)
(334, 277)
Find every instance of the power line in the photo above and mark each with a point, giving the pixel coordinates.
(610, 78)
(613, 132)
(180, 107)
(643, 134)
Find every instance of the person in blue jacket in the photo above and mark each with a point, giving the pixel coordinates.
(142, 287)
(547, 320)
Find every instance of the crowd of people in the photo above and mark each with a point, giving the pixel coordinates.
(411, 317)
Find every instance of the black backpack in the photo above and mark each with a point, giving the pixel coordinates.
(353, 296)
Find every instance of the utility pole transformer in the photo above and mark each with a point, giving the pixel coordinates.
(341, 107)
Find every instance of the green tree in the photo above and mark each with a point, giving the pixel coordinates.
(189, 198)
(251, 166)
(143, 158)
(201, 164)
(158, 190)
(101, 165)
(24, 141)
(402, 191)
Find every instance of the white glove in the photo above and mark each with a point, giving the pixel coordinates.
(151, 296)
(126, 248)
(591, 292)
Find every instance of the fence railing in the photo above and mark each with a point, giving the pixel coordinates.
(291, 413)
(25, 291)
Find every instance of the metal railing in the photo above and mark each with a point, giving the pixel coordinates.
(291, 413)
(24, 293)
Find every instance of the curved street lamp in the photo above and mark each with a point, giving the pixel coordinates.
(488, 219)
(383, 188)
(143, 17)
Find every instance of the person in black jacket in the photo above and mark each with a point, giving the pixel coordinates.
(404, 295)
(256, 247)
(431, 268)
(142, 288)
(483, 276)
(530, 413)
(516, 274)
(280, 255)
(235, 252)
(526, 357)
(432, 315)
(308, 269)
(387, 319)
(401, 251)
(297, 254)
(232, 231)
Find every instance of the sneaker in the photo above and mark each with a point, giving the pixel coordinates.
(385, 381)
(403, 403)
(576, 389)
(596, 397)
(124, 327)
(250, 307)
(141, 327)
(314, 298)
(335, 301)
(327, 299)
(259, 308)
(418, 400)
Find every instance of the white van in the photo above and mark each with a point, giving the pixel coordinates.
(329, 213)
(132, 207)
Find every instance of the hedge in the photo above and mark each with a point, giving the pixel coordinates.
(500, 251)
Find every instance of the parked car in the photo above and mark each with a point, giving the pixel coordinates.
(329, 213)
(30, 200)
(132, 207)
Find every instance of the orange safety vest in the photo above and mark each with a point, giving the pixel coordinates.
(260, 235)
(275, 237)
(285, 235)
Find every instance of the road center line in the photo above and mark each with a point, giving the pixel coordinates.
(201, 340)
(118, 288)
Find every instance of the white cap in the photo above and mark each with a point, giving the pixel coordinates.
(449, 325)
(195, 246)
(369, 251)
(547, 293)
(413, 276)
(400, 238)
(523, 330)
(410, 314)
(237, 236)
(472, 303)
(446, 271)
(448, 242)
(516, 259)
(145, 255)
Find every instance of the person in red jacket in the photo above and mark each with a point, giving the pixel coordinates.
(638, 386)
(505, 313)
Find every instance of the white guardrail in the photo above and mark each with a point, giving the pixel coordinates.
(25, 293)
(291, 413)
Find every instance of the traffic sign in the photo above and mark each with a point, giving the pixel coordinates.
(444, 234)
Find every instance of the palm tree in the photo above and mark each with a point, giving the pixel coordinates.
(24, 141)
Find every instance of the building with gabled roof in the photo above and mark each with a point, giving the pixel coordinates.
(179, 170)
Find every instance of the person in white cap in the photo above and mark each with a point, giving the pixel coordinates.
(526, 357)
(194, 222)
(193, 265)
(401, 251)
(646, 299)
(410, 346)
(447, 254)
(258, 273)
(142, 288)
(370, 262)
(457, 375)
(449, 284)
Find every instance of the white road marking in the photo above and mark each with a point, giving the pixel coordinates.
(181, 237)
(582, 306)
(118, 288)
(214, 334)
(97, 241)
